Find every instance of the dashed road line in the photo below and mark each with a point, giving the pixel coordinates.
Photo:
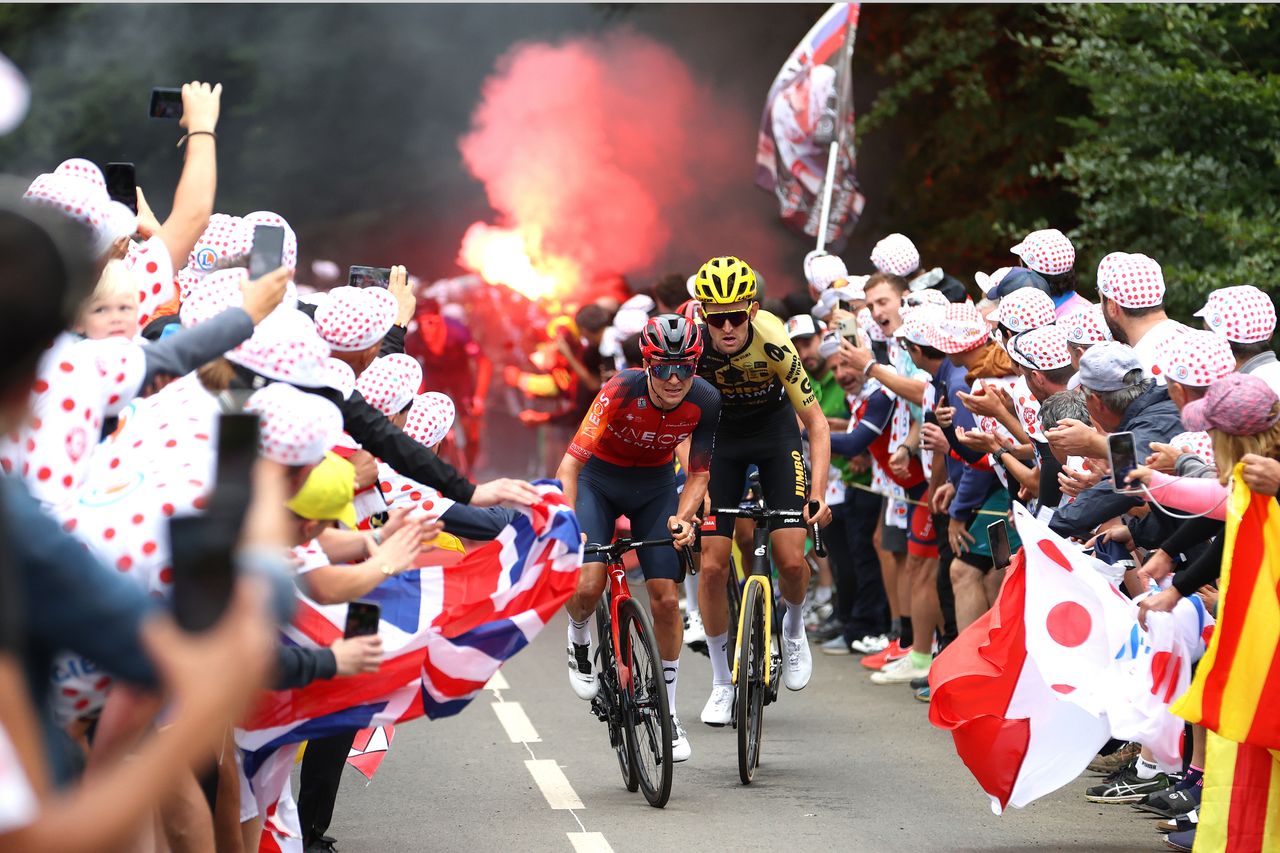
(547, 773)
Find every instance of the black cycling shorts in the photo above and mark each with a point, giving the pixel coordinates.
(646, 496)
(773, 445)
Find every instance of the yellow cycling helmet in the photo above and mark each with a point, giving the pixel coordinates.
(724, 280)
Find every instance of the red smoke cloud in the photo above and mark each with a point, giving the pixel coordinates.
(604, 156)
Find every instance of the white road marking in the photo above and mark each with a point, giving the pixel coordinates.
(554, 784)
(589, 842)
(516, 722)
(497, 681)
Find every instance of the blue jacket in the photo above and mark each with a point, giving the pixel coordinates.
(973, 485)
(1151, 417)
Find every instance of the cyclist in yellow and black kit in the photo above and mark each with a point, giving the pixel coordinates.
(763, 387)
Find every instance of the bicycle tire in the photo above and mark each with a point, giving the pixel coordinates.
(648, 719)
(752, 660)
(615, 702)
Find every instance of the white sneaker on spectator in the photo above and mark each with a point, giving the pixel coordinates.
(799, 663)
(899, 672)
(719, 708)
(835, 646)
(680, 748)
(695, 633)
(869, 645)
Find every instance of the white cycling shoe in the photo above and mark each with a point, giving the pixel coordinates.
(799, 666)
(695, 633)
(582, 675)
(680, 748)
(719, 708)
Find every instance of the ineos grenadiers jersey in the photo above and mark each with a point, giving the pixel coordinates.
(624, 427)
(759, 378)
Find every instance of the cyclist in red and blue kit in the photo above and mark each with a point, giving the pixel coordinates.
(621, 463)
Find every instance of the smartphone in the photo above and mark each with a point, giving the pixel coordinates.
(944, 392)
(122, 184)
(1123, 458)
(203, 571)
(930, 417)
(166, 103)
(369, 277)
(998, 537)
(881, 351)
(362, 619)
(233, 472)
(268, 250)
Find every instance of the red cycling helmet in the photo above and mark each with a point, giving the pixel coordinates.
(670, 337)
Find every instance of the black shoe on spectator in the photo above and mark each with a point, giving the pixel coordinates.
(1171, 803)
(827, 630)
(919, 683)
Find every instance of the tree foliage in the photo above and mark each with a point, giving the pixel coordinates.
(1145, 128)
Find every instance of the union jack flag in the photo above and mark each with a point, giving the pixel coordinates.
(445, 631)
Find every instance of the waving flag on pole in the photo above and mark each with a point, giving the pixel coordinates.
(809, 106)
(445, 631)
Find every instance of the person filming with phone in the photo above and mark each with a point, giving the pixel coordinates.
(1121, 397)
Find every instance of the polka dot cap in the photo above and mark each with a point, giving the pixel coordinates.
(285, 347)
(869, 326)
(355, 318)
(225, 236)
(1105, 266)
(928, 296)
(960, 329)
(390, 382)
(339, 376)
(896, 254)
(214, 294)
(294, 427)
(1043, 348)
(1085, 327)
(1024, 309)
(1196, 358)
(822, 270)
(80, 201)
(265, 217)
(917, 323)
(1242, 314)
(82, 170)
(431, 418)
(151, 267)
(1048, 252)
(1198, 443)
(1135, 281)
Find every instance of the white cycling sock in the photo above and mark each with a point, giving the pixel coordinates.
(691, 594)
(1146, 769)
(580, 632)
(793, 621)
(718, 648)
(670, 672)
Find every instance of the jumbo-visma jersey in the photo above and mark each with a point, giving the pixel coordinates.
(758, 379)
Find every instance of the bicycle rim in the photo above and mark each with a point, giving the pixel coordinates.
(613, 699)
(752, 657)
(648, 718)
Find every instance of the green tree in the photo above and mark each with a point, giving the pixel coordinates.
(1178, 156)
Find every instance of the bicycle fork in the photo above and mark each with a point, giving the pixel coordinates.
(767, 594)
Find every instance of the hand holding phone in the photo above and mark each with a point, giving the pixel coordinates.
(362, 619)
(122, 184)
(166, 103)
(268, 250)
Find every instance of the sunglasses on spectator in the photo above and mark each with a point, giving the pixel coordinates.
(681, 370)
(1013, 342)
(717, 318)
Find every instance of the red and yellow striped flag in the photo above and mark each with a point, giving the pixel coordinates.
(1240, 805)
(1236, 691)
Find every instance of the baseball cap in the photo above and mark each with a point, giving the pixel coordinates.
(1047, 251)
(1242, 314)
(1238, 404)
(1133, 281)
(896, 254)
(327, 492)
(801, 326)
(1043, 348)
(959, 328)
(1105, 366)
(1016, 279)
(1025, 308)
(1085, 327)
(917, 324)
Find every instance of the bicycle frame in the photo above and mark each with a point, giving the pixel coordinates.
(618, 592)
(759, 574)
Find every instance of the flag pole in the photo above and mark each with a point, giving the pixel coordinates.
(828, 184)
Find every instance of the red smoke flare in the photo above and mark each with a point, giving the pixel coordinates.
(605, 157)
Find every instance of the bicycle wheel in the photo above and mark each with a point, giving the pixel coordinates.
(648, 718)
(753, 656)
(612, 698)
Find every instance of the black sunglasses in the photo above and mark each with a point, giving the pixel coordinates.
(681, 370)
(717, 318)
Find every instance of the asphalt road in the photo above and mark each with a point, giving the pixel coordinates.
(847, 765)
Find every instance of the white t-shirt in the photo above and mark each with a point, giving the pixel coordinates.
(1270, 374)
(1152, 344)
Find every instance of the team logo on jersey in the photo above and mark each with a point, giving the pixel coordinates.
(775, 352)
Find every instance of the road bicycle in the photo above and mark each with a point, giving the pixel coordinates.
(757, 640)
(632, 698)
